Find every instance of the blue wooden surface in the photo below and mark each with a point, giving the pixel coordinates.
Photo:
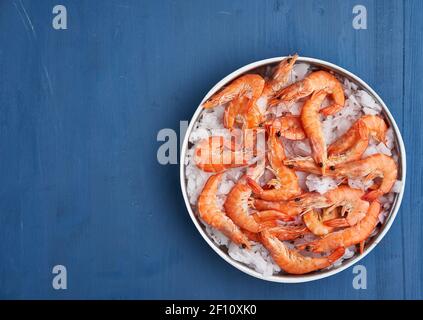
(80, 110)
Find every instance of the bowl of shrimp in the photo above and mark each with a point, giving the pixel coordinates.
(292, 169)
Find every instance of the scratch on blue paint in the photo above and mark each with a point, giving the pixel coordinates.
(26, 20)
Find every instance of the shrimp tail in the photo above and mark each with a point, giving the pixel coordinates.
(272, 215)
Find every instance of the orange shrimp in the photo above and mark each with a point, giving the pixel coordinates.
(305, 164)
(310, 119)
(286, 182)
(352, 205)
(374, 166)
(316, 81)
(289, 127)
(349, 236)
(237, 201)
(293, 262)
(376, 128)
(249, 85)
(272, 215)
(242, 94)
(232, 112)
(355, 145)
(252, 116)
(376, 125)
(315, 221)
(213, 155)
(280, 77)
(236, 208)
(210, 212)
(252, 236)
(355, 151)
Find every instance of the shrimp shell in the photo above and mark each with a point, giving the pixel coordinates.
(216, 218)
(349, 236)
(293, 262)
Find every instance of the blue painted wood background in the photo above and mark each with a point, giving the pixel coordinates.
(79, 114)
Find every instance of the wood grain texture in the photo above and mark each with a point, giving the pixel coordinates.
(79, 114)
(412, 131)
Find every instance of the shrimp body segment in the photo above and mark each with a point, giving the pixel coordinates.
(210, 212)
(287, 233)
(374, 166)
(359, 133)
(293, 262)
(349, 236)
(352, 205)
(312, 125)
(289, 127)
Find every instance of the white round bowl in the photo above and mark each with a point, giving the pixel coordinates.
(286, 278)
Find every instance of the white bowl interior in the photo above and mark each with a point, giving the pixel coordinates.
(285, 278)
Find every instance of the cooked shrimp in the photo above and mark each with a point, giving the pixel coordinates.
(315, 221)
(293, 262)
(236, 207)
(312, 125)
(345, 151)
(374, 166)
(242, 94)
(305, 164)
(210, 212)
(349, 236)
(316, 81)
(355, 151)
(213, 155)
(286, 182)
(352, 218)
(232, 111)
(376, 128)
(279, 77)
(289, 127)
(237, 201)
(376, 125)
(252, 116)
(352, 206)
(249, 85)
